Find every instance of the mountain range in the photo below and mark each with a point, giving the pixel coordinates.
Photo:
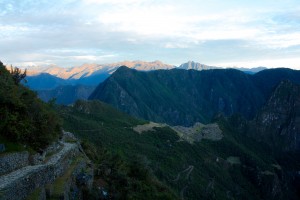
(87, 70)
(47, 80)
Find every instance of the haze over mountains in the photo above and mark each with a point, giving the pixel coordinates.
(65, 84)
(87, 70)
(48, 80)
(43, 78)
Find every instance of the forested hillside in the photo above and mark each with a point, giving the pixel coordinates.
(24, 118)
(234, 166)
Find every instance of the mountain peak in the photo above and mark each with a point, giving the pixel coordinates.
(195, 66)
(123, 68)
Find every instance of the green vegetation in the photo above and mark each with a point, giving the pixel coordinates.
(124, 178)
(24, 118)
(13, 146)
(35, 195)
(59, 185)
(233, 167)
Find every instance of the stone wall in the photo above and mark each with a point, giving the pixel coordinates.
(19, 184)
(13, 161)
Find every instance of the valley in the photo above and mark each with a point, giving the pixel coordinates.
(236, 164)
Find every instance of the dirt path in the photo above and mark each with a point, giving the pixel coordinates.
(182, 192)
(188, 172)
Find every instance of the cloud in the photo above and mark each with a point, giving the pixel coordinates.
(292, 62)
(71, 32)
(113, 2)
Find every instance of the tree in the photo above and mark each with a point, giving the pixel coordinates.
(17, 74)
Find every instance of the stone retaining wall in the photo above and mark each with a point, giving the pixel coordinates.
(19, 184)
(13, 161)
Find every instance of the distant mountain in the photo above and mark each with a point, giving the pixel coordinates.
(183, 97)
(199, 66)
(93, 74)
(66, 94)
(251, 70)
(44, 81)
(48, 78)
(44, 78)
(268, 80)
(88, 70)
(195, 66)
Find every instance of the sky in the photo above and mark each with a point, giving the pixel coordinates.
(231, 33)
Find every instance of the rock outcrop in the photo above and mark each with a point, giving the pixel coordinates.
(278, 123)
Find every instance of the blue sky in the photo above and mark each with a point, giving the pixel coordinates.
(214, 32)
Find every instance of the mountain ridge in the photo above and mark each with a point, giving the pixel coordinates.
(183, 97)
(87, 70)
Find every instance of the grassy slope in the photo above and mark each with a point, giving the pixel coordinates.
(211, 176)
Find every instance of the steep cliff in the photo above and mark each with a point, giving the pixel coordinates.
(278, 123)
